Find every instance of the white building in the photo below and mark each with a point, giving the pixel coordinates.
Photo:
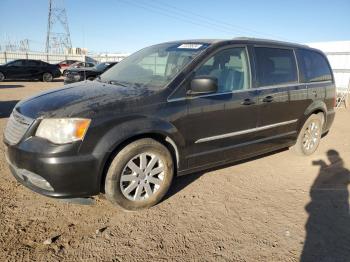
(338, 54)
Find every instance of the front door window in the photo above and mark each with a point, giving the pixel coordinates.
(230, 67)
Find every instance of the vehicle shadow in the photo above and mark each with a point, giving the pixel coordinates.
(60, 79)
(11, 86)
(181, 182)
(6, 108)
(328, 225)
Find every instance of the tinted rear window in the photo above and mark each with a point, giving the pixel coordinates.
(275, 66)
(17, 63)
(33, 63)
(315, 66)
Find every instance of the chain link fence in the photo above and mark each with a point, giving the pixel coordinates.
(56, 58)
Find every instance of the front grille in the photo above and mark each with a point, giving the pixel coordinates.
(17, 126)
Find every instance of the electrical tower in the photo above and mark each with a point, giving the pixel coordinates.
(58, 36)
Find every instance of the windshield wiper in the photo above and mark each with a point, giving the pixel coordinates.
(115, 82)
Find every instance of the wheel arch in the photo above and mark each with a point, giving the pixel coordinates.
(315, 108)
(2, 72)
(162, 136)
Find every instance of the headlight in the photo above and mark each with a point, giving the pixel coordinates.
(77, 77)
(62, 131)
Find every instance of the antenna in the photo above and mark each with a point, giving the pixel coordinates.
(58, 36)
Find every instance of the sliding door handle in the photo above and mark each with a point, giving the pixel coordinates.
(268, 99)
(247, 102)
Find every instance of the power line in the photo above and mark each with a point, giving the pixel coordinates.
(187, 16)
(205, 20)
(177, 17)
(222, 23)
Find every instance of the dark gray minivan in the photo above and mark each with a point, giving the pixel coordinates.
(170, 109)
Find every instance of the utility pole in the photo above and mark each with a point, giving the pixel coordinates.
(58, 36)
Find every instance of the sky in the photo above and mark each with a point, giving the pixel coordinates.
(128, 25)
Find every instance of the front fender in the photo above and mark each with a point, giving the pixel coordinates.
(125, 131)
(136, 127)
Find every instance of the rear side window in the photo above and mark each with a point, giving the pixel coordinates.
(33, 63)
(315, 66)
(275, 66)
(17, 63)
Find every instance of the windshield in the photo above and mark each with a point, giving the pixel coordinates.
(153, 66)
(101, 67)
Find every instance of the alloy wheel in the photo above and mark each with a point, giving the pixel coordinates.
(47, 77)
(311, 136)
(142, 177)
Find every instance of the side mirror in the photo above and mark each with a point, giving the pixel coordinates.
(203, 85)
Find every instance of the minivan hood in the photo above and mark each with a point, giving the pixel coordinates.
(81, 99)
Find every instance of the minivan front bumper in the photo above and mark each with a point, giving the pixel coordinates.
(56, 174)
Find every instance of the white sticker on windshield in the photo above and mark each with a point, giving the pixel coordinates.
(190, 46)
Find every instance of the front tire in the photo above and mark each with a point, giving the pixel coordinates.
(2, 77)
(310, 135)
(47, 77)
(139, 175)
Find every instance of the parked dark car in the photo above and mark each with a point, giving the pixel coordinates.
(170, 109)
(78, 65)
(80, 74)
(29, 69)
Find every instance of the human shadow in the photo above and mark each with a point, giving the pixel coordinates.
(328, 225)
(6, 108)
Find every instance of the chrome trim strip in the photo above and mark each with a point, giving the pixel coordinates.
(247, 131)
(278, 86)
(22, 118)
(238, 91)
(297, 64)
(217, 150)
(319, 82)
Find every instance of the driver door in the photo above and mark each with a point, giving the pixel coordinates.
(16, 69)
(217, 123)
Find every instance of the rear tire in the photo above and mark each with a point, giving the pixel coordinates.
(139, 175)
(2, 77)
(47, 77)
(91, 78)
(310, 135)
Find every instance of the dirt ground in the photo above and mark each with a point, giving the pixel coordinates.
(279, 207)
